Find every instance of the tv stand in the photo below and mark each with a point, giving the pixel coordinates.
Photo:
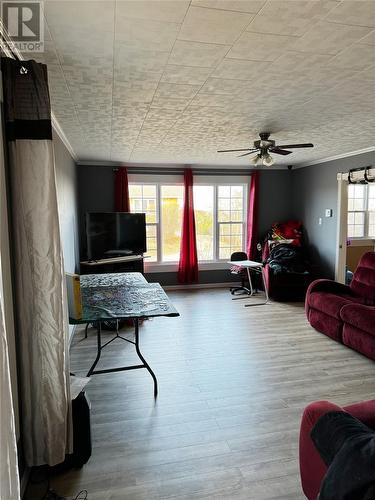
(126, 263)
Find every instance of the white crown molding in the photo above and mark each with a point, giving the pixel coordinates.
(15, 52)
(166, 165)
(335, 157)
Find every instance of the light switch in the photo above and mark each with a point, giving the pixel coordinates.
(320, 221)
(328, 212)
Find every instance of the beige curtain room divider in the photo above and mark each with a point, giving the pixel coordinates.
(9, 482)
(39, 283)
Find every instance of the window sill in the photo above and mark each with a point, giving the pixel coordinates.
(360, 242)
(163, 267)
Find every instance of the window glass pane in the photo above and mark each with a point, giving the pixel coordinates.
(224, 253)
(358, 231)
(236, 204)
(151, 217)
(359, 204)
(204, 221)
(351, 230)
(143, 199)
(224, 241)
(236, 242)
(371, 218)
(136, 205)
(225, 229)
(371, 190)
(350, 218)
(171, 221)
(224, 215)
(135, 190)
(224, 204)
(371, 230)
(236, 215)
(350, 204)
(151, 231)
(224, 191)
(236, 228)
(236, 191)
(359, 218)
(149, 191)
(359, 191)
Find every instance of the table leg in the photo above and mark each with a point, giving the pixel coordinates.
(99, 347)
(247, 295)
(136, 335)
(265, 292)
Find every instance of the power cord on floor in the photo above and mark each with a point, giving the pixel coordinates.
(50, 494)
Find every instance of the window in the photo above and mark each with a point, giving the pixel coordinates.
(204, 221)
(361, 211)
(143, 199)
(220, 220)
(230, 220)
(220, 215)
(172, 200)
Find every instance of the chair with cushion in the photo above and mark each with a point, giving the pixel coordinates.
(312, 467)
(327, 300)
(239, 273)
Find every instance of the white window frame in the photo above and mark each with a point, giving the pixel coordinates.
(201, 180)
(244, 216)
(366, 212)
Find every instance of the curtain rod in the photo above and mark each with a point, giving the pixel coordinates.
(180, 171)
(361, 175)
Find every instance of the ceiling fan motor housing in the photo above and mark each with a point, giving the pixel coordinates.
(264, 144)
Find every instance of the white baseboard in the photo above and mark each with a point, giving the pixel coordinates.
(72, 332)
(197, 286)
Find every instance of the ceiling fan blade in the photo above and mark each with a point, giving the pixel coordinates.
(233, 150)
(291, 146)
(249, 153)
(280, 151)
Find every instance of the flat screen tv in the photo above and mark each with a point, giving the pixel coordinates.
(115, 234)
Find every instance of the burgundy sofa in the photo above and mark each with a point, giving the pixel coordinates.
(346, 313)
(312, 467)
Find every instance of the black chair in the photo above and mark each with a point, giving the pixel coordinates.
(242, 274)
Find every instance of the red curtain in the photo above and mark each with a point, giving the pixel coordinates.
(252, 218)
(122, 191)
(188, 266)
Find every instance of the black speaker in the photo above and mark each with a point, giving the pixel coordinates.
(81, 431)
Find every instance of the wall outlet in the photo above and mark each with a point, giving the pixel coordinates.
(320, 222)
(328, 212)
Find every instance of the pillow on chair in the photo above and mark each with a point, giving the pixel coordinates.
(347, 447)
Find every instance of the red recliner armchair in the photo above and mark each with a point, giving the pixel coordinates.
(312, 467)
(346, 313)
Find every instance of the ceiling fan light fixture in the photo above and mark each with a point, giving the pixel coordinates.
(256, 160)
(267, 160)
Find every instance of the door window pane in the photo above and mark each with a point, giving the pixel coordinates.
(204, 221)
(171, 222)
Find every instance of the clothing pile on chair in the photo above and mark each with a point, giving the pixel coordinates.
(288, 258)
(287, 269)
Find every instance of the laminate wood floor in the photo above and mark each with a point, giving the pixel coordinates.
(233, 382)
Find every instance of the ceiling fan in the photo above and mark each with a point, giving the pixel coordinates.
(265, 146)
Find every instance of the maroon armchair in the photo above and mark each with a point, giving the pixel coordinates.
(312, 467)
(346, 313)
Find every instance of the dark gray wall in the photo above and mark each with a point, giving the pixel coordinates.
(95, 188)
(314, 189)
(95, 194)
(275, 198)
